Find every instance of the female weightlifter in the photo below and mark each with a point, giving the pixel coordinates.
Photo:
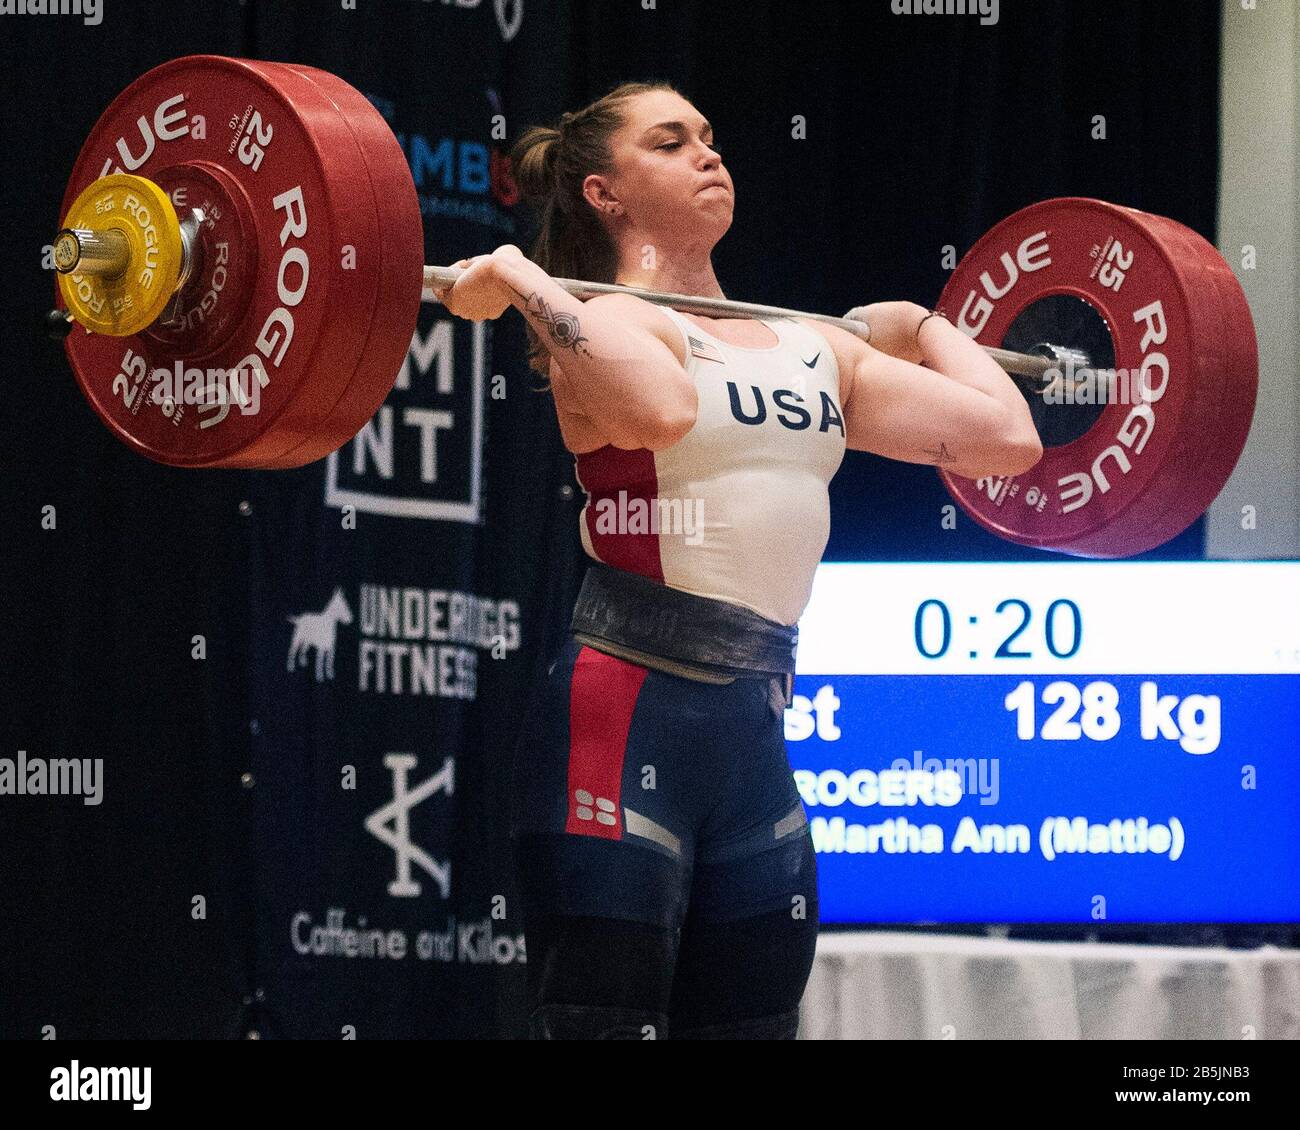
(663, 853)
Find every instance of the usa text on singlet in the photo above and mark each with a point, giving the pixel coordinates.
(737, 510)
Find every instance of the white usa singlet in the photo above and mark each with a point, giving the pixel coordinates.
(736, 510)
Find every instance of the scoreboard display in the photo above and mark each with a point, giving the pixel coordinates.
(1066, 742)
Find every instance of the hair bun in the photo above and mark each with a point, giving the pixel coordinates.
(535, 157)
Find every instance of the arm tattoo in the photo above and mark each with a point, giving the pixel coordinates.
(565, 329)
(943, 455)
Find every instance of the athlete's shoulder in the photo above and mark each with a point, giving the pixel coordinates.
(636, 311)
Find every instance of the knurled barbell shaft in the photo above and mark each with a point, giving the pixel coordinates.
(1019, 364)
(106, 252)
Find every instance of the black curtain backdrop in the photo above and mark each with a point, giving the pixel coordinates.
(238, 792)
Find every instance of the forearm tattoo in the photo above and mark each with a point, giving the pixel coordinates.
(943, 455)
(564, 328)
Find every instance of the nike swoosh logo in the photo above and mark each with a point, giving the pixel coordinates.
(813, 363)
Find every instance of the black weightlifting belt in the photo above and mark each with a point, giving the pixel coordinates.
(646, 622)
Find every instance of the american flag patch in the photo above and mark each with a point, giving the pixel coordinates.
(704, 349)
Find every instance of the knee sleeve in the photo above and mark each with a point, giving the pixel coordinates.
(598, 978)
(742, 978)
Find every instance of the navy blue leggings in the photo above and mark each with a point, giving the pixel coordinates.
(663, 856)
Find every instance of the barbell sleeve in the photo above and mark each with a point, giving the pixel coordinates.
(1018, 364)
(106, 253)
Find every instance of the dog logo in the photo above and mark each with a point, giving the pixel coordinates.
(318, 630)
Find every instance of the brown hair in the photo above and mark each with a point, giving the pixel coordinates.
(550, 164)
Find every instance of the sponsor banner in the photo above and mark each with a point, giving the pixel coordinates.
(392, 655)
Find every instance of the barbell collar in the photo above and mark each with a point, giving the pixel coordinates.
(191, 224)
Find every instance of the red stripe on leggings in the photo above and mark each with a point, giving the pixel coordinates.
(602, 696)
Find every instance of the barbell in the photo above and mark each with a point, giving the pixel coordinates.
(256, 224)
